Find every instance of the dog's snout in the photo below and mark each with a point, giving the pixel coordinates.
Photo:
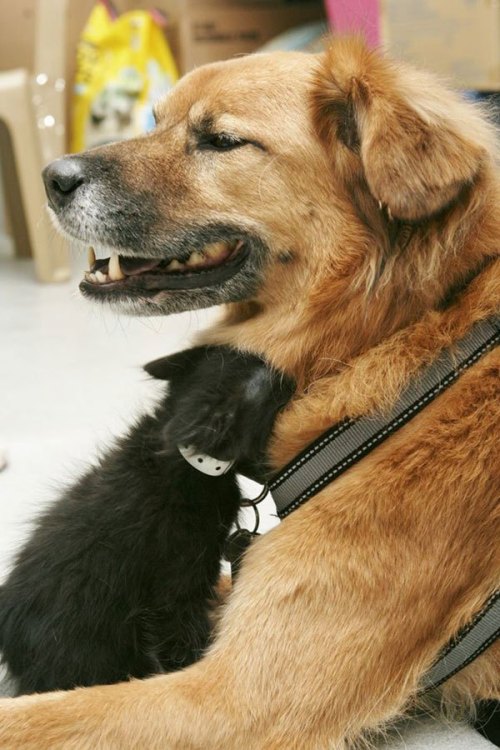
(62, 178)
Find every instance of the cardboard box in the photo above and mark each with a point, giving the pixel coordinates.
(217, 30)
(17, 33)
(459, 39)
(199, 31)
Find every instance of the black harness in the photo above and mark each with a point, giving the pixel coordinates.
(346, 443)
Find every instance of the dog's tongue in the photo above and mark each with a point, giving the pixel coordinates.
(133, 266)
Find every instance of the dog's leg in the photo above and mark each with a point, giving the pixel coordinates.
(325, 635)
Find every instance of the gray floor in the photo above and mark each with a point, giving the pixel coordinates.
(70, 379)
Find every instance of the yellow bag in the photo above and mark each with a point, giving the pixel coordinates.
(124, 65)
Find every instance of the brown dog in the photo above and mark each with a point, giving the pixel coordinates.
(348, 208)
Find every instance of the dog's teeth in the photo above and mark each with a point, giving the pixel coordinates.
(215, 249)
(91, 257)
(114, 270)
(91, 277)
(174, 265)
(101, 277)
(195, 259)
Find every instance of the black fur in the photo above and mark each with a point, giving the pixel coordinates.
(116, 578)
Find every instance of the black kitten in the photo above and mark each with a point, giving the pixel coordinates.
(116, 578)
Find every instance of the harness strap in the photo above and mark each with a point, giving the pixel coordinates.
(470, 643)
(349, 441)
(346, 443)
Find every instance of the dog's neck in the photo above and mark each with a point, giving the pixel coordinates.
(320, 321)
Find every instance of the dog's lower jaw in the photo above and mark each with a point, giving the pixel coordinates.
(167, 302)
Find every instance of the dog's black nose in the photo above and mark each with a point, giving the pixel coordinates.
(62, 178)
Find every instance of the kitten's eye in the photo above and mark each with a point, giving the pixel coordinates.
(221, 142)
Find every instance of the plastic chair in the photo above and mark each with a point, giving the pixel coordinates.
(36, 138)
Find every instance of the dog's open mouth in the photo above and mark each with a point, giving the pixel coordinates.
(189, 269)
(210, 264)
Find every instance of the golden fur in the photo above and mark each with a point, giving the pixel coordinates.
(383, 191)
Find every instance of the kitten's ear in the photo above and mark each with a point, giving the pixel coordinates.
(167, 368)
(411, 142)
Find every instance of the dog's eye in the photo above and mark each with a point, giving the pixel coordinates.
(221, 142)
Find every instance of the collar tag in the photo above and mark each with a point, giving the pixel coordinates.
(213, 467)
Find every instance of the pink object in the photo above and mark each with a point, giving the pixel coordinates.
(356, 15)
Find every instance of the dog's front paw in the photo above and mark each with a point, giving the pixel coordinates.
(124, 716)
(81, 719)
(36, 722)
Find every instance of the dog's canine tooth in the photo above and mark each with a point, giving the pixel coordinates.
(174, 265)
(114, 271)
(101, 277)
(91, 257)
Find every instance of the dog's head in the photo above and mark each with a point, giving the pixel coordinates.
(264, 176)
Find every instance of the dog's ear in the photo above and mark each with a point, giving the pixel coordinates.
(174, 365)
(412, 142)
